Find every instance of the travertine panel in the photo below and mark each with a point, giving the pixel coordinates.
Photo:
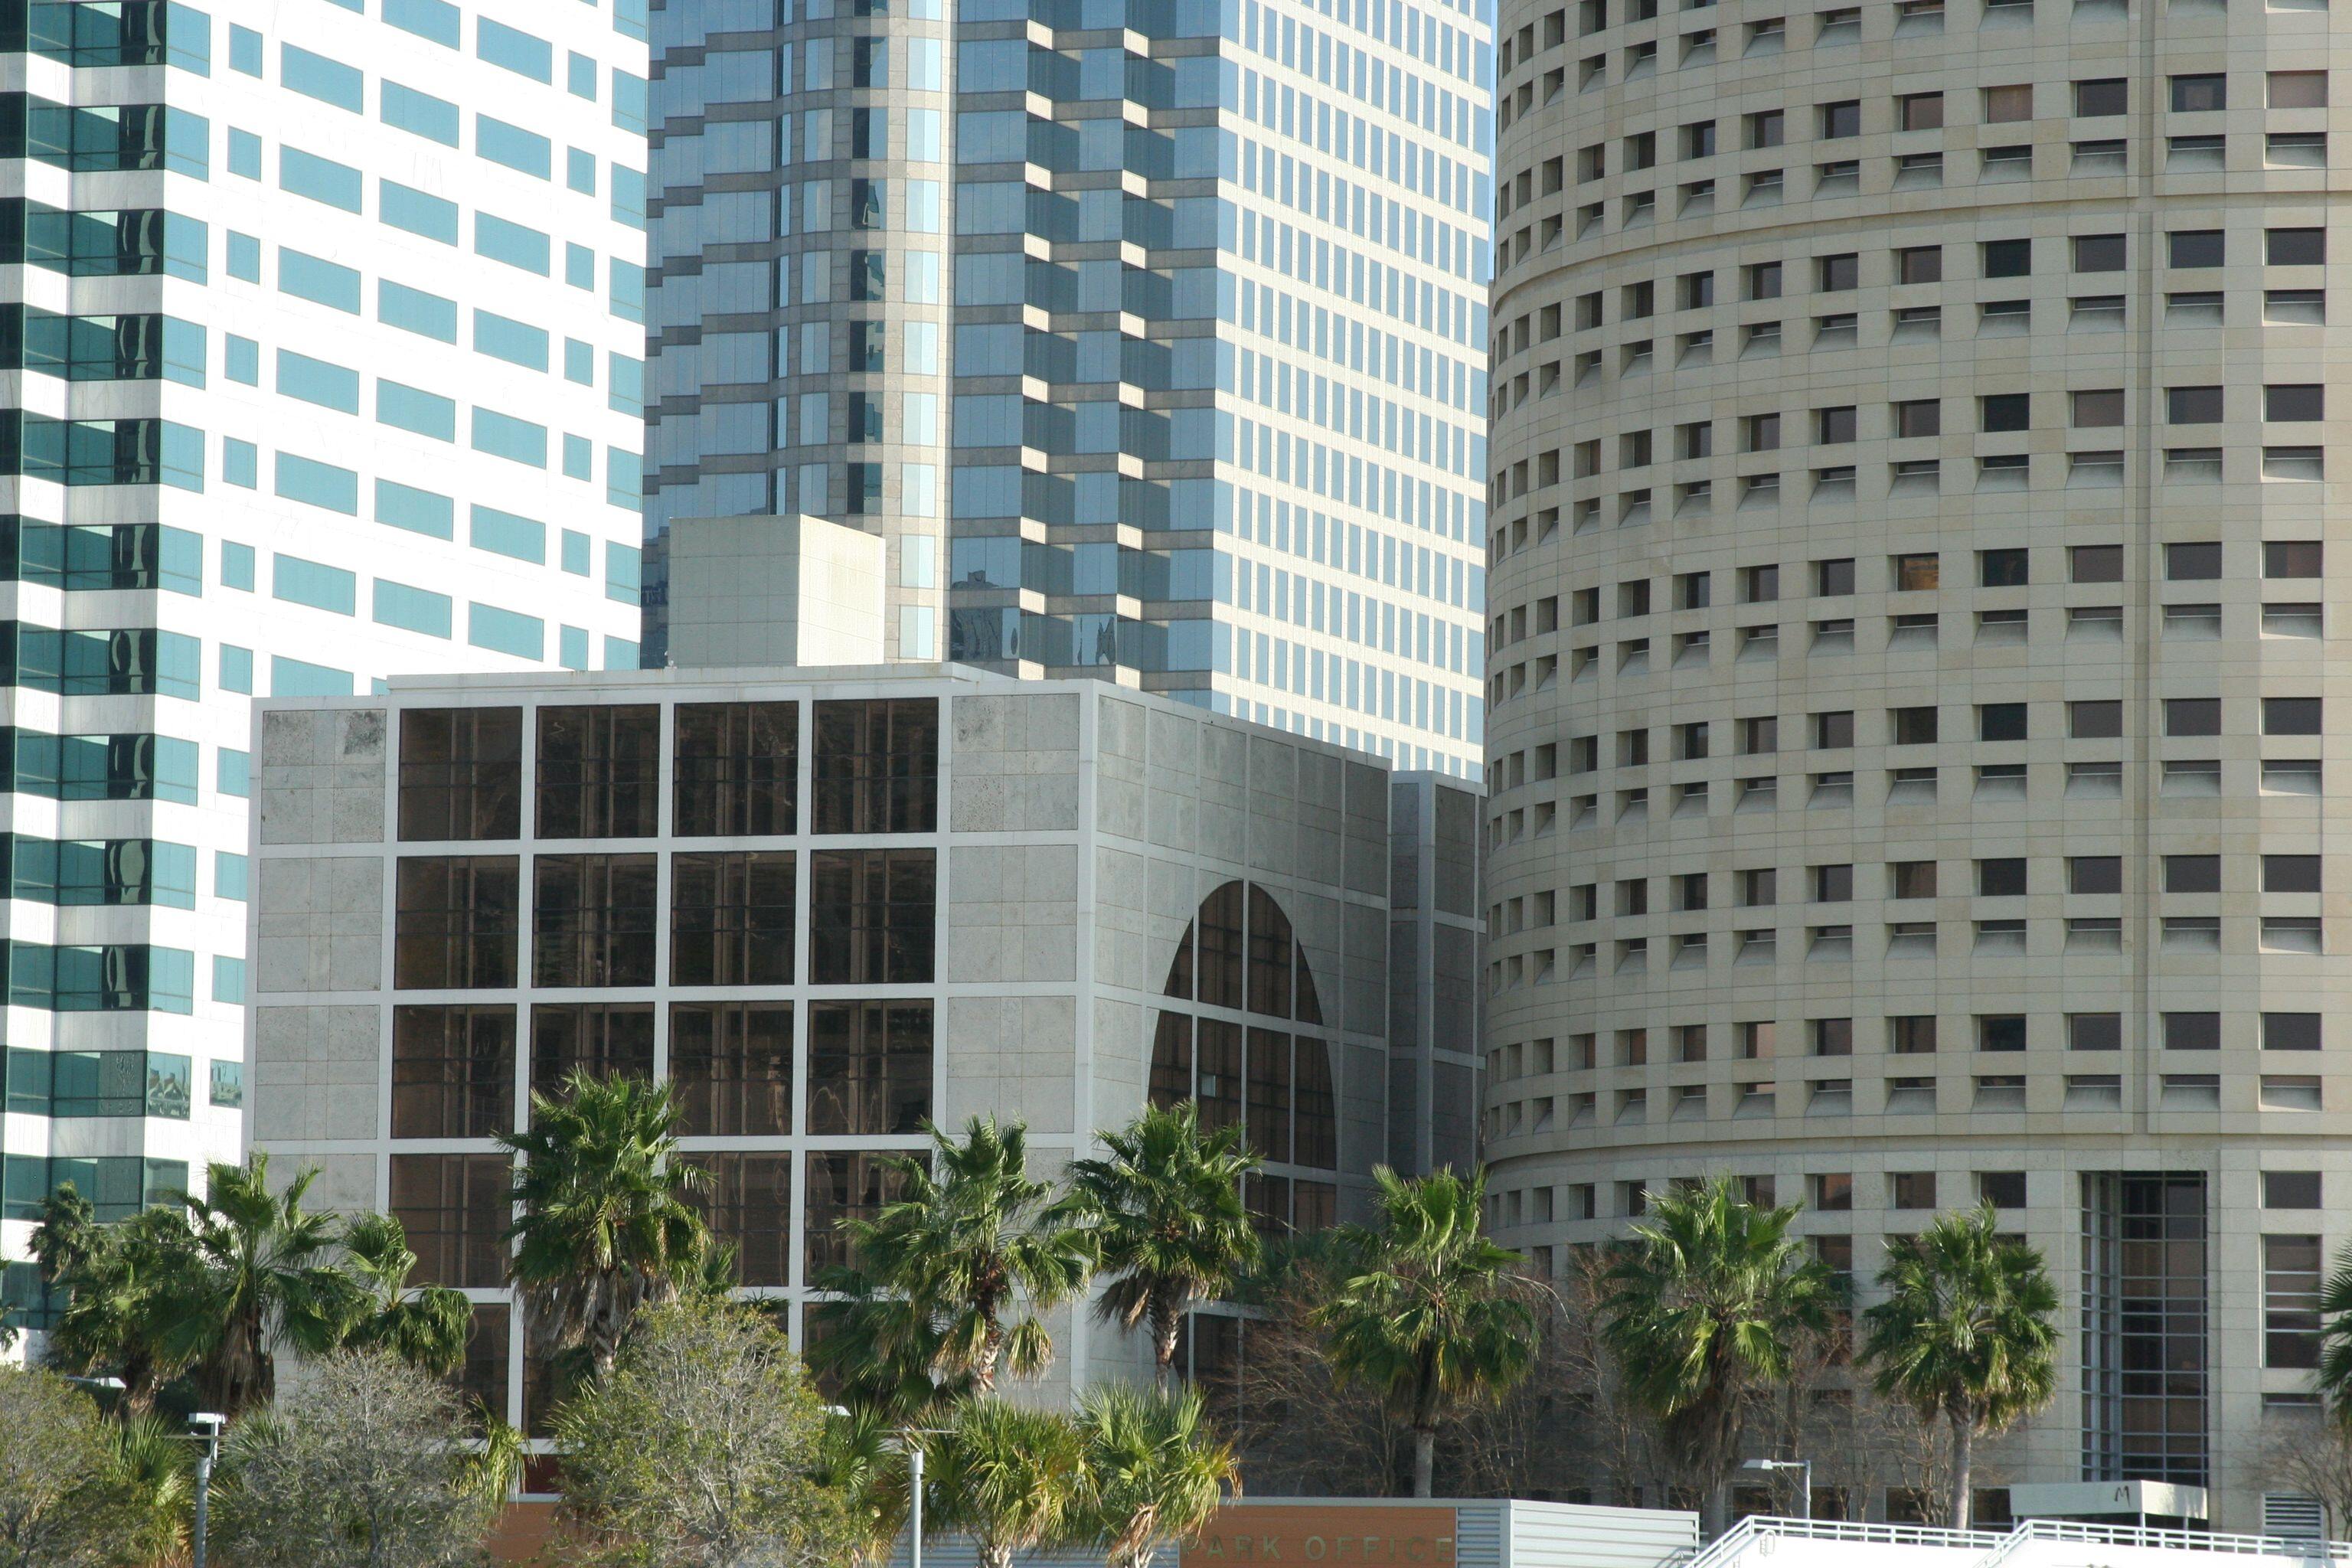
(322, 776)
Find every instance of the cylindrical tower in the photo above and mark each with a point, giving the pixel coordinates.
(1910, 713)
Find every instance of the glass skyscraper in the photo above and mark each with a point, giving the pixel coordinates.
(1150, 333)
(322, 361)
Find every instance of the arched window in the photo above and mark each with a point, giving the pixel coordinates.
(1243, 1041)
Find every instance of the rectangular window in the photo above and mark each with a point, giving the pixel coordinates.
(525, 152)
(321, 180)
(870, 1067)
(320, 283)
(456, 922)
(504, 533)
(504, 435)
(508, 632)
(321, 587)
(453, 1071)
(875, 768)
(2291, 1285)
(454, 1209)
(603, 1039)
(317, 484)
(738, 767)
(511, 48)
(592, 919)
(872, 916)
(517, 343)
(514, 244)
(413, 409)
(731, 918)
(316, 381)
(599, 770)
(419, 113)
(732, 1064)
(436, 20)
(418, 512)
(749, 1202)
(842, 1185)
(460, 773)
(412, 609)
(328, 80)
(418, 212)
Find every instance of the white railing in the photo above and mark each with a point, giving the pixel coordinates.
(2033, 1529)
(1727, 1547)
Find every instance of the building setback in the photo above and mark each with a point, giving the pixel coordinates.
(826, 905)
(321, 360)
(1911, 716)
(1150, 337)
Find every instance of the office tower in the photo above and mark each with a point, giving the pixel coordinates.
(1147, 336)
(322, 362)
(825, 905)
(1912, 494)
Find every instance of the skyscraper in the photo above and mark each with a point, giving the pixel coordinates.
(1150, 335)
(322, 362)
(1913, 495)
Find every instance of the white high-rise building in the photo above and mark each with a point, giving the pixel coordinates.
(322, 350)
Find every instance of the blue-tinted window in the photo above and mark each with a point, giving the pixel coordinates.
(233, 769)
(240, 463)
(580, 171)
(236, 668)
(579, 458)
(620, 653)
(525, 152)
(504, 435)
(298, 677)
(321, 281)
(229, 875)
(317, 484)
(244, 257)
(318, 381)
(580, 77)
(420, 113)
(434, 19)
(403, 206)
(244, 153)
(237, 566)
(414, 310)
(579, 361)
(624, 379)
(511, 48)
(624, 478)
(321, 587)
(628, 204)
(414, 409)
(228, 985)
(575, 554)
(511, 243)
(412, 609)
(504, 533)
(506, 631)
(241, 359)
(628, 101)
(244, 50)
(580, 268)
(316, 76)
(628, 290)
(624, 572)
(319, 179)
(517, 343)
(571, 647)
(418, 512)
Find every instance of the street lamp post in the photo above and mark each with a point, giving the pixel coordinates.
(1805, 1499)
(905, 1438)
(207, 1429)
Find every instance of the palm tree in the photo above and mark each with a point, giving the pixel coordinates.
(865, 1462)
(1430, 1311)
(1967, 1333)
(263, 1280)
(426, 1327)
(157, 1466)
(125, 1287)
(2334, 1375)
(1011, 1478)
(1155, 1473)
(1165, 1214)
(607, 1227)
(942, 1267)
(1704, 1306)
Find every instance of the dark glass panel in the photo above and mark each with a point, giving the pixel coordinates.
(602, 1040)
(731, 918)
(749, 1202)
(738, 768)
(460, 773)
(843, 1186)
(1220, 931)
(871, 917)
(454, 1209)
(1217, 1061)
(1171, 1059)
(1270, 947)
(1179, 968)
(592, 919)
(732, 1064)
(455, 923)
(877, 766)
(1269, 1094)
(452, 1071)
(869, 1067)
(599, 772)
(1316, 1108)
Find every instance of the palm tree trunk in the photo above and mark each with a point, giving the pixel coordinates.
(1964, 1435)
(1167, 1328)
(1425, 1459)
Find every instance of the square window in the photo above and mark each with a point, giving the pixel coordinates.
(2005, 104)
(2192, 404)
(2003, 412)
(2007, 257)
(2000, 1031)
(2194, 247)
(1911, 1189)
(2198, 562)
(2100, 98)
(2291, 715)
(2001, 1189)
(2001, 878)
(2298, 89)
(2098, 252)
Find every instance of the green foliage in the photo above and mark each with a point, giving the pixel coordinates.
(1429, 1310)
(1154, 1472)
(951, 1274)
(701, 1448)
(1164, 1213)
(426, 1327)
(2334, 1375)
(1705, 1306)
(363, 1465)
(66, 1500)
(1012, 1479)
(1967, 1333)
(606, 1229)
(127, 1287)
(157, 1468)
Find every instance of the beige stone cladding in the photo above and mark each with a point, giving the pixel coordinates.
(1912, 737)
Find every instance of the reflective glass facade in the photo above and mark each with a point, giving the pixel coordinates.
(1150, 334)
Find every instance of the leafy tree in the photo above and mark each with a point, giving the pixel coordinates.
(1435, 1315)
(701, 1448)
(64, 1498)
(1705, 1305)
(951, 1274)
(426, 1327)
(361, 1465)
(1967, 1333)
(127, 1287)
(264, 1278)
(1164, 1212)
(607, 1227)
(1011, 1478)
(1154, 1472)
